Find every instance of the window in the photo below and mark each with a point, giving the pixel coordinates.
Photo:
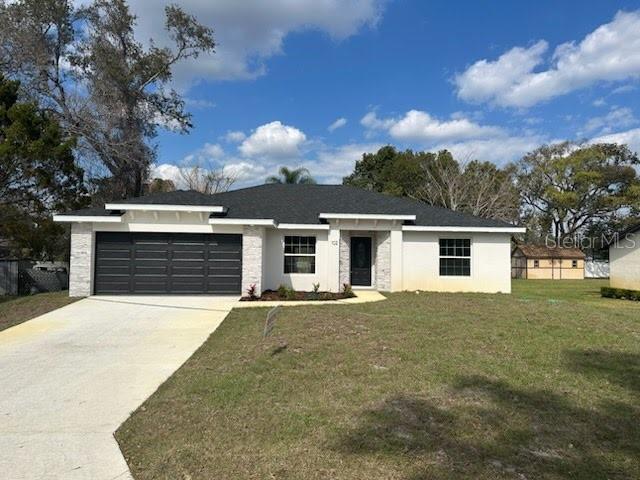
(455, 257)
(536, 264)
(574, 263)
(299, 254)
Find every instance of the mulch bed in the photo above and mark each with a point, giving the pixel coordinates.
(273, 295)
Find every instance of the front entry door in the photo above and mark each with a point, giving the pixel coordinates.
(361, 261)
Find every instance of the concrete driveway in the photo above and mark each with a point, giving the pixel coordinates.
(69, 378)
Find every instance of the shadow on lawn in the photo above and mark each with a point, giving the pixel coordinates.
(488, 429)
(619, 368)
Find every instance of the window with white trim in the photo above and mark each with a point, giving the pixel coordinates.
(299, 254)
(455, 257)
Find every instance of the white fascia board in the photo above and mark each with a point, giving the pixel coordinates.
(88, 218)
(364, 216)
(165, 208)
(420, 228)
(303, 226)
(263, 222)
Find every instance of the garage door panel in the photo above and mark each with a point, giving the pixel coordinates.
(167, 263)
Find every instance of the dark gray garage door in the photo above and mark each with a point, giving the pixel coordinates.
(167, 263)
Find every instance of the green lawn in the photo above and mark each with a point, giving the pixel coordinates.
(15, 310)
(543, 383)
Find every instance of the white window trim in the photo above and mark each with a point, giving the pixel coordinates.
(470, 257)
(285, 255)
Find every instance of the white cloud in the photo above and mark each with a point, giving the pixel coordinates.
(497, 150)
(618, 117)
(248, 32)
(235, 136)
(599, 102)
(199, 103)
(333, 163)
(609, 53)
(339, 123)
(273, 140)
(629, 137)
(417, 125)
(371, 121)
(212, 150)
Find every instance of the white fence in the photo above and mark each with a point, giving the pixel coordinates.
(596, 269)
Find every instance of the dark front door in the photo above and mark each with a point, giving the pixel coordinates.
(361, 261)
(167, 263)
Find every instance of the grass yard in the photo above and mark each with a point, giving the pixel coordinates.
(543, 383)
(15, 310)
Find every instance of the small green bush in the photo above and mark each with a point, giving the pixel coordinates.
(623, 293)
(282, 291)
(291, 294)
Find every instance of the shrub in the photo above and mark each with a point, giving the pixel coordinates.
(282, 291)
(347, 291)
(316, 287)
(291, 294)
(610, 292)
(251, 291)
(326, 296)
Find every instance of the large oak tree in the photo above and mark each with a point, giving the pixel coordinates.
(103, 85)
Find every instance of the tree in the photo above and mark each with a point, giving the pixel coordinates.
(38, 175)
(205, 180)
(286, 175)
(572, 186)
(105, 87)
(479, 188)
(158, 185)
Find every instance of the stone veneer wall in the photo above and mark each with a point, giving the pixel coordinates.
(344, 266)
(383, 261)
(81, 262)
(252, 258)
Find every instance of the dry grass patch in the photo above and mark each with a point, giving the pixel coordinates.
(15, 310)
(543, 383)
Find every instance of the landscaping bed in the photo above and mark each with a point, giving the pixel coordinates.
(543, 383)
(288, 294)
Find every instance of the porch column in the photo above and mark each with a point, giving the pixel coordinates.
(396, 259)
(383, 261)
(253, 239)
(81, 261)
(345, 258)
(333, 259)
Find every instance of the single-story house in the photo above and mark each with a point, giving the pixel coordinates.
(624, 259)
(543, 262)
(186, 242)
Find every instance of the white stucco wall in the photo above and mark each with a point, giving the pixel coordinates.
(624, 263)
(274, 261)
(490, 263)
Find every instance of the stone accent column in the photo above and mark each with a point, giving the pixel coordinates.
(383, 261)
(345, 258)
(252, 258)
(396, 260)
(81, 261)
(333, 261)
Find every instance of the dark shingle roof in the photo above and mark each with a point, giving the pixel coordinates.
(542, 251)
(303, 204)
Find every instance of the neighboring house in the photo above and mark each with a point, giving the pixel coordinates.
(551, 263)
(185, 242)
(624, 260)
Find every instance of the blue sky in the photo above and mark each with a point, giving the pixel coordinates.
(488, 80)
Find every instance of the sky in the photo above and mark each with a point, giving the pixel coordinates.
(316, 83)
